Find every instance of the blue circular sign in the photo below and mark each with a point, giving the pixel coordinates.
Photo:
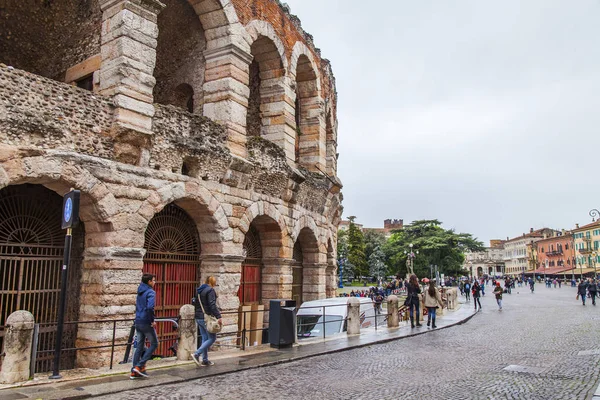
(68, 211)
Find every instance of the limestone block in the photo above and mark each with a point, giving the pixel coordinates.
(17, 347)
(353, 316)
(187, 333)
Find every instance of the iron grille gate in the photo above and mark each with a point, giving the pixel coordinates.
(31, 254)
(173, 256)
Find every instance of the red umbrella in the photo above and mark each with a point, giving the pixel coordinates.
(425, 280)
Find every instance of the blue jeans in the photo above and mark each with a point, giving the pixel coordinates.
(142, 332)
(431, 313)
(416, 307)
(207, 340)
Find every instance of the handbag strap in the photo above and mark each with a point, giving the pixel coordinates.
(200, 301)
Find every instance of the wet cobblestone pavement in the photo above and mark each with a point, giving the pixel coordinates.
(530, 350)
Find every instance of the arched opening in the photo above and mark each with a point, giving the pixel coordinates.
(49, 38)
(250, 286)
(308, 124)
(312, 272)
(479, 271)
(172, 254)
(261, 270)
(265, 72)
(297, 280)
(180, 65)
(31, 257)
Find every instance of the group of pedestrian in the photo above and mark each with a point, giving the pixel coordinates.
(432, 299)
(587, 288)
(206, 302)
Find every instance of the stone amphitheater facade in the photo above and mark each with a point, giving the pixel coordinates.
(202, 135)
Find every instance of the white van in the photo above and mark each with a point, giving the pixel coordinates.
(332, 313)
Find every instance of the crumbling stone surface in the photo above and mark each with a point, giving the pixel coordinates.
(47, 37)
(52, 115)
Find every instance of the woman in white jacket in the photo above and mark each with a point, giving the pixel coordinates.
(431, 301)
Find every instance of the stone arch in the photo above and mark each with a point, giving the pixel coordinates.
(36, 45)
(202, 207)
(180, 66)
(309, 143)
(97, 202)
(257, 28)
(330, 141)
(261, 208)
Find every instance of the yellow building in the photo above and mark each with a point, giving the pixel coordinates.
(586, 242)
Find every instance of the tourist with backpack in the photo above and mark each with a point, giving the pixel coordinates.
(498, 292)
(467, 291)
(476, 295)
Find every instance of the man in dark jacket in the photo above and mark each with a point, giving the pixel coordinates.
(593, 290)
(208, 300)
(144, 326)
(582, 290)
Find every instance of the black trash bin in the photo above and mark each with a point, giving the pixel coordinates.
(282, 322)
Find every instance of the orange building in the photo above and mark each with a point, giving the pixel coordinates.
(555, 253)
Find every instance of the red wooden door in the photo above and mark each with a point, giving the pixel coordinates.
(173, 256)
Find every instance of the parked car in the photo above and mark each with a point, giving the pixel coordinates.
(331, 315)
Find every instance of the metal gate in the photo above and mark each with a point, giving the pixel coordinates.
(250, 287)
(31, 254)
(173, 255)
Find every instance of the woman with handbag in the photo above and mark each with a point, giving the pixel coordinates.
(206, 314)
(413, 290)
(433, 298)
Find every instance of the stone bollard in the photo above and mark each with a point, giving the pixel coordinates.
(187, 333)
(392, 317)
(353, 316)
(17, 345)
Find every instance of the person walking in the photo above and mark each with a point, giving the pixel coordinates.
(207, 298)
(431, 301)
(593, 290)
(413, 290)
(498, 292)
(582, 290)
(531, 284)
(144, 326)
(476, 295)
(467, 291)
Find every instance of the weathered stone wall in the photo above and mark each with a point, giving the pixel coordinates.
(37, 111)
(47, 37)
(179, 55)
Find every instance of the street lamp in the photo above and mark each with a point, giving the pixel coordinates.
(594, 213)
(341, 268)
(594, 257)
(545, 266)
(410, 257)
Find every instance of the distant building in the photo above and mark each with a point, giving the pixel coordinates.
(488, 262)
(586, 241)
(389, 225)
(553, 254)
(517, 258)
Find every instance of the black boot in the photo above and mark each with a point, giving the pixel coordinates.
(412, 322)
(433, 323)
(428, 321)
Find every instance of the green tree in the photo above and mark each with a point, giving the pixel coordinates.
(356, 249)
(377, 266)
(342, 252)
(436, 246)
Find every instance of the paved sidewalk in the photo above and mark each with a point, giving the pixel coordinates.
(106, 382)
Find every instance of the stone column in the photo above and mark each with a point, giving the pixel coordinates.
(226, 91)
(277, 279)
(109, 282)
(188, 333)
(313, 283)
(17, 346)
(228, 271)
(128, 49)
(331, 281)
(392, 312)
(353, 316)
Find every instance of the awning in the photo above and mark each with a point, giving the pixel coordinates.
(553, 270)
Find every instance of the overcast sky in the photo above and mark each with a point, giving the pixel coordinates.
(482, 114)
